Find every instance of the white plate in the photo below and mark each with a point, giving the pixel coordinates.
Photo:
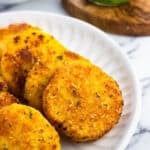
(102, 51)
(9, 2)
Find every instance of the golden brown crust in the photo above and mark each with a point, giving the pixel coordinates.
(13, 29)
(7, 99)
(20, 48)
(14, 70)
(125, 19)
(82, 101)
(36, 82)
(23, 127)
(41, 73)
(3, 85)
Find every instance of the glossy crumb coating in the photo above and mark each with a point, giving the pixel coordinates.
(82, 102)
(21, 45)
(24, 128)
(41, 73)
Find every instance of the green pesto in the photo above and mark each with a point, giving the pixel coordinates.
(109, 2)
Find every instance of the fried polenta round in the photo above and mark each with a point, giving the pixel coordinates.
(7, 99)
(36, 81)
(40, 75)
(82, 102)
(19, 52)
(24, 128)
(12, 31)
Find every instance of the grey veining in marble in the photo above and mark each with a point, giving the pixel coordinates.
(138, 51)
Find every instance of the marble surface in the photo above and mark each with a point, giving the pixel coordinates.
(138, 51)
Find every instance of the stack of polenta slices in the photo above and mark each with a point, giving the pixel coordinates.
(52, 89)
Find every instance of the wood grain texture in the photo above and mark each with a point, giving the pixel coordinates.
(128, 19)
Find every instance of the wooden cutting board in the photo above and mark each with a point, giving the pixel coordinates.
(128, 19)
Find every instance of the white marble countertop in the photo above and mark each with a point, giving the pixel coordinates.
(138, 51)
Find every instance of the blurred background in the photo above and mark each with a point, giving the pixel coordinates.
(40, 5)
